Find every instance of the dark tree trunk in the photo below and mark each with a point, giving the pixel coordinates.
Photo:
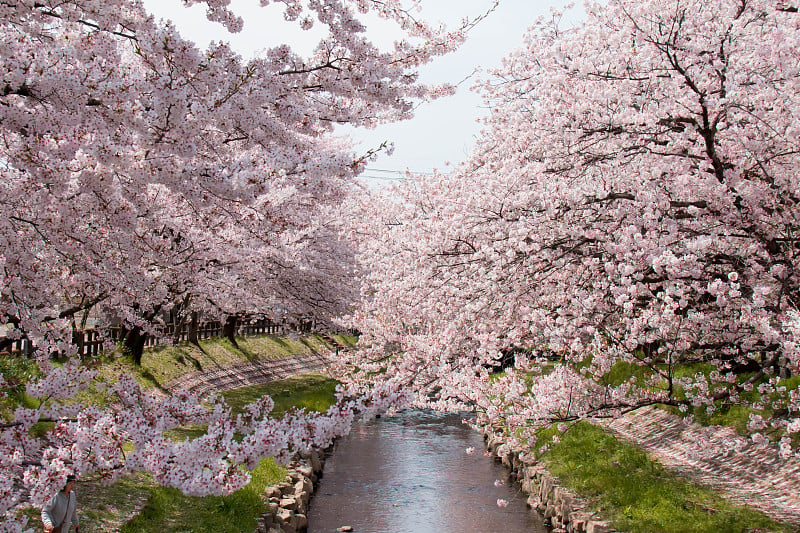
(134, 341)
(192, 333)
(229, 330)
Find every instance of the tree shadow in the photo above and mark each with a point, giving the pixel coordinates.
(248, 354)
(280, 342)
(150, 378)
(308, 344)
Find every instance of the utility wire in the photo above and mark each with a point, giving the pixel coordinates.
(389, 174)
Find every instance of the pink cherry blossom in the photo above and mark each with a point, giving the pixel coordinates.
(142, 176)
(630, 206)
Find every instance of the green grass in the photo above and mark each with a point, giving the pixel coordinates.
(735, 415)
(17, 371)
(162, 364)
(169, 510)
(165, 363)
(105, 507)
(636, 492)
(102, 507)
(313, 392)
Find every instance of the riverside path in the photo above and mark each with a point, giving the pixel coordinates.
(716, 456)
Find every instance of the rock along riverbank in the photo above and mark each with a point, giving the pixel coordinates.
(287, 502)
(562, 509)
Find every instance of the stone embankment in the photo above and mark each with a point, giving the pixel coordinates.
(562, 509)
(749, 474)
(287, 502)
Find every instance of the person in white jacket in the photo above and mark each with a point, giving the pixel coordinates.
(60, 513)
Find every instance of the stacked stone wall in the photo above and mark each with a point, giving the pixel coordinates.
(287, 502)
(562, 509)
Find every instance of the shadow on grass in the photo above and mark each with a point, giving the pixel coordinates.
(195, 363)
(282, 343)
(308, 344)
(148, 377)
(246, 352)
(637, 492)
(222, 343)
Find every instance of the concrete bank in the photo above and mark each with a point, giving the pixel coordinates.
(258, 372)
(562, 509)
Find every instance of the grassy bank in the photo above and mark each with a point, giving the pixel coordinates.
(135, 503)
(169, 510)
(312, 392)
(162, 364)
(636, 492)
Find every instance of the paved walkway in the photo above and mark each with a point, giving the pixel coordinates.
(204, 383)
(716, 456)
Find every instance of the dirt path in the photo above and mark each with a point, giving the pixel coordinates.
(718, 457)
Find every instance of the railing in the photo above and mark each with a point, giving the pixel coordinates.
(18, 347)
(90, 341)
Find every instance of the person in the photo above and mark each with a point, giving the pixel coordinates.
(60, 513)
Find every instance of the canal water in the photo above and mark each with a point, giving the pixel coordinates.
(410, 473)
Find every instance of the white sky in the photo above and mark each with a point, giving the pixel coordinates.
(441, 131)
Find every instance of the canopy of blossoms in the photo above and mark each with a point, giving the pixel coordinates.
(142, 174)
(626, 228)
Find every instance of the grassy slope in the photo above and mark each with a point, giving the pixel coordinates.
(312, 392)
(105, 508)
(162, 364)
(169, 510)
(636, 492)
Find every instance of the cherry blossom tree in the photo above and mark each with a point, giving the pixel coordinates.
(153, 132)
(627, 226)
(139, 171)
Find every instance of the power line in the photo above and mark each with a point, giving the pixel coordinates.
(391, 174)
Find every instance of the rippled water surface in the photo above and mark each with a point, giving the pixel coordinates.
(410, 473)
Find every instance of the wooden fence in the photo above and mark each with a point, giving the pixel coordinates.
(90, 341)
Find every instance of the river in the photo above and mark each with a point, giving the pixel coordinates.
(411, 473)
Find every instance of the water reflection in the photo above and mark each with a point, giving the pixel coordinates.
(410, 473)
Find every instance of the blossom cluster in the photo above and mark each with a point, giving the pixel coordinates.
(133, 436)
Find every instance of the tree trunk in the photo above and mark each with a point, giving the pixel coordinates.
(134, 341)
(229, 330)
(192, 333)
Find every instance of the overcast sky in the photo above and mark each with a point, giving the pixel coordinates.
(442, 131)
